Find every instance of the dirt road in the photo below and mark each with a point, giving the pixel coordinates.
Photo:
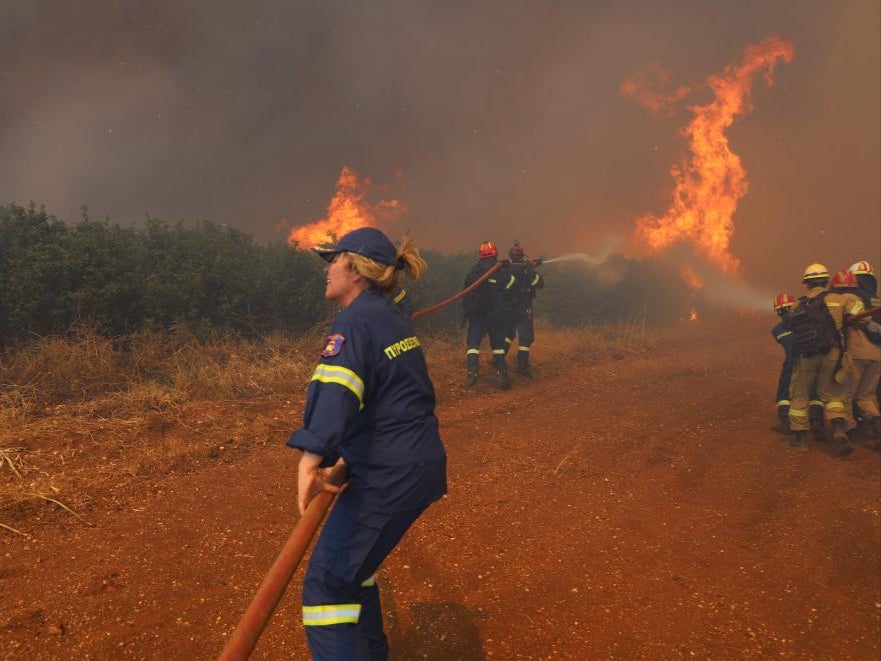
(633, 507)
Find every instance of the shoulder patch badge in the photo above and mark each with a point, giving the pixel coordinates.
(333, 345)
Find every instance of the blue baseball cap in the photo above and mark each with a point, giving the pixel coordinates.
(365, 241)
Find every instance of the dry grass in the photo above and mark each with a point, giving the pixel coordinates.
(80, 418)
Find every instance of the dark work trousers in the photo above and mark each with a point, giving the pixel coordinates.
(494, 325)
(341, 609)
(523, 329)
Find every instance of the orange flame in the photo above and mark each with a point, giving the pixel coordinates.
(348, 210)
(644, 88)
(709, 184)
(693, 315)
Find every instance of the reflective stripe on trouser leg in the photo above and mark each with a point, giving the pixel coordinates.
(524, 324)
(830, 392)
(803, 375)
(498, 340)
(473, 338)
(316, 616)
(350, 548)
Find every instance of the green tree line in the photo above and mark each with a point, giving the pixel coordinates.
(209, 278)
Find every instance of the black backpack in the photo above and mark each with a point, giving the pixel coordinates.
(813, 326)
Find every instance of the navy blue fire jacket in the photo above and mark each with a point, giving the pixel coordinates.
(371, 401)
(493, 296)
(785, 339)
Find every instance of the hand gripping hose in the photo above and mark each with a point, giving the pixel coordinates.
(248, 630)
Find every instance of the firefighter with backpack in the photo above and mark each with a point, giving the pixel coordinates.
(864, 346)
(817, 324)
(488, 312)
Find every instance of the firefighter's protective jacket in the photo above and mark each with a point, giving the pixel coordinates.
(528, 280)
(861, 342)
(370, 400)
(493, 296)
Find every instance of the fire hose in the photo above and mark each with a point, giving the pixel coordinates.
(250, 627)
(455, 297)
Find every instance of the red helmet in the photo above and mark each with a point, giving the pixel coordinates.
(844, 279)
(783, 302)
(488, 249)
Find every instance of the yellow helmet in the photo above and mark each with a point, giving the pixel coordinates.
(815, 271)
(861, 268)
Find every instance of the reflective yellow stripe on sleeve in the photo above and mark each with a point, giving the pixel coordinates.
(399, 297)
(317, 616)
(535, 280)
(341, 376)
(783, 402)
(370, 582)
(784, 334)
(511, 282)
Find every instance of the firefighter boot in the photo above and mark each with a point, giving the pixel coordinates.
(502, 379)
(471, 377)
(845, 447)
(783, 420)
(799, 440)
(523, 364)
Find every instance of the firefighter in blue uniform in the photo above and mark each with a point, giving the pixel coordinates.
(488, 312)
(782, 333)
(370, 404)
(522, 296)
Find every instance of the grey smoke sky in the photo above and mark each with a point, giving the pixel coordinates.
(502, 119)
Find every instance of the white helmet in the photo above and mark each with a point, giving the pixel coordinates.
(861, 268)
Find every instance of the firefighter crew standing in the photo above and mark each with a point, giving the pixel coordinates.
(370, 404)
(522, 297)
(817, 323)
(488, 311)
(782, 333)
(864, 345)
